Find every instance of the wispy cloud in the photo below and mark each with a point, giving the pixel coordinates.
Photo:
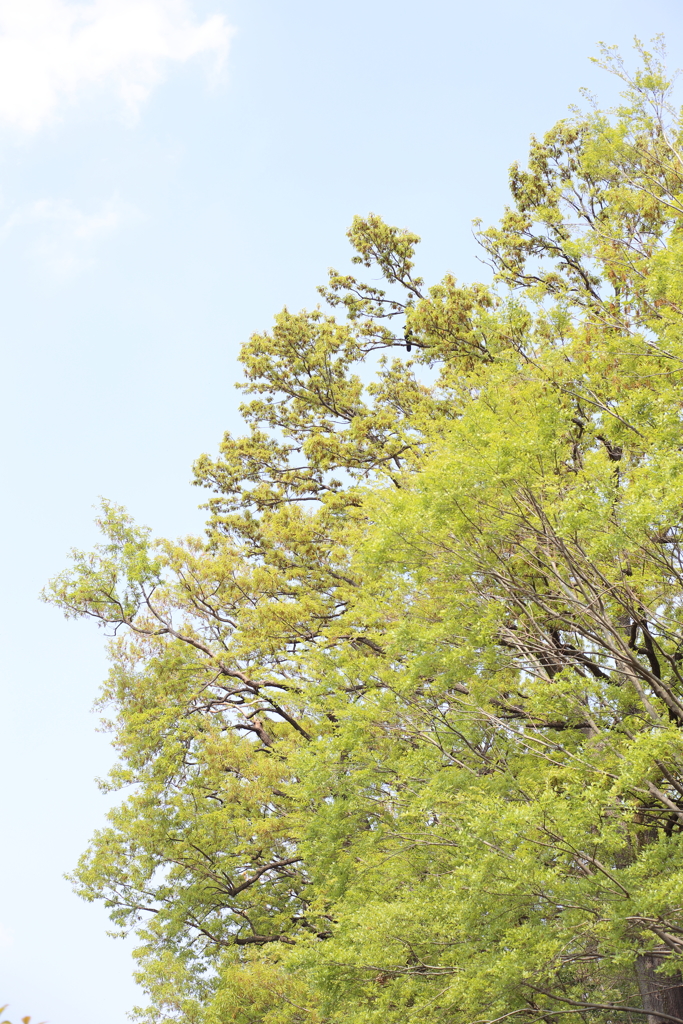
(63, 236)
(52, 51)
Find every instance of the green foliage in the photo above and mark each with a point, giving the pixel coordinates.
(402, 734)
(24, 1020)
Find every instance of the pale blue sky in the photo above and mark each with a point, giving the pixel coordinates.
(171, 174)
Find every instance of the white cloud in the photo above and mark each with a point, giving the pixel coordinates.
(52, 51)
(63, 235)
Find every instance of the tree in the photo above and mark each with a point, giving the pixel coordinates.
(24, 1020)
(403, 733)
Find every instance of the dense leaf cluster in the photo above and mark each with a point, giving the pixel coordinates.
(402, 736)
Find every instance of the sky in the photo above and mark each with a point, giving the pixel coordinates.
(171, 174)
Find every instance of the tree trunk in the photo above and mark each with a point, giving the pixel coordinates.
(660, 993)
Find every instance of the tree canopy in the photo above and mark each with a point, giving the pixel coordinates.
(400, 739)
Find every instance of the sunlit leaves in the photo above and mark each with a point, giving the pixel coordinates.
(401, 738)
